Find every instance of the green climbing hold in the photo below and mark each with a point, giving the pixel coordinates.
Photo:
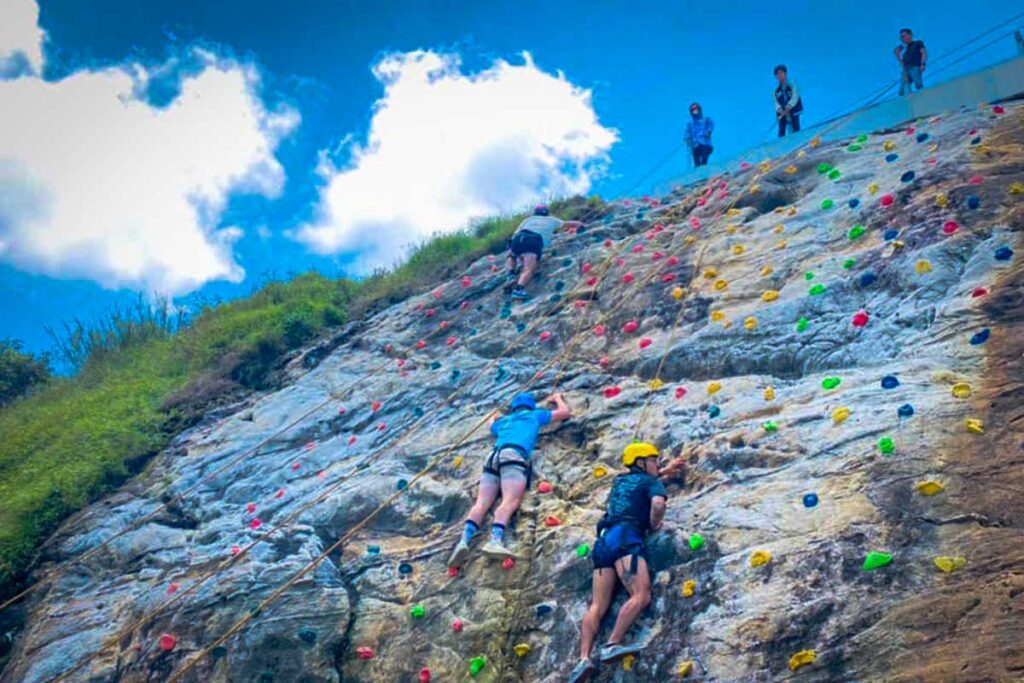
(855, 232)
(418, 612)
(853, 148)
(827, 204)
(816, 289)
(824, 168)
(849, 263)
(862, 138)
(476, 665)
(886, 445)
(802, 324)
(830, 382)
(771, 426)
(875, 559)
(808, 276)
(696, 541)
(834, 174)
(582, 550)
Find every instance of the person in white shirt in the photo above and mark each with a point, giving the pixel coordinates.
(528, 243)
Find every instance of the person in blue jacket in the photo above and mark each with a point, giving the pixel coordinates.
(698, 135)
(507, 472)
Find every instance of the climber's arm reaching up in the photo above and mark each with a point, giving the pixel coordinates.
(562, 410)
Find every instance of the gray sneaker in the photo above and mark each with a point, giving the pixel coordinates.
(459, 555)
(497, 550)
(581, 672)
(609, 653)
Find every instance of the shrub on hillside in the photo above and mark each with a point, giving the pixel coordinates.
(19, 371)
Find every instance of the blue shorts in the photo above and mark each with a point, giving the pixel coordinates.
(526, 242)
(615, 543)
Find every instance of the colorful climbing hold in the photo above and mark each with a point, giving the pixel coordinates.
(364, 652)
(890, 382)
(834, 174)
(645, 342)
(476, 665)
(908, 176)
(551, 521)
(457, 625)
(255, 524)
(508, 564)
(678, 292)
(766, 271)
(889, 158)
(769, 295)
(802, 324)
(975, 425)
(612, 392)
(167, 642)
(424, 675)
(582, 550)
(860, 319)
(521, 649)
(827, 204)
(905, 410)
(769, 394)
(600, 471)
(810, 500)
(544, 487)
(685, 668)
(824, 168)
(628, 277)
(689, 587)
(830, 383)
(930, 488)
(418, 611)
(849, 263)
(950, 227)
(973, 202)
(817, 289)
(720, 285)
(980, 337)
(771, 426)
(696, 541)
(886, 445)
(840, 415)
(950, 564)
(630, 327)
(887, 200)
(750, 323)
(802, 658)
(962, 390)
(760, 558)
(875, 560)
(714, 411)
(923, 266)
(873, 188)
(868, 278)
(1003, 253)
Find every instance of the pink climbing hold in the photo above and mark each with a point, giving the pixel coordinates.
(586, 268)
(508, 564)
(976, 180)
(172, 588)
(388, 348)
(607, 243)
(437, 293)
(645, 342)
(656, 256)
(628, 277)
(421, 344)
(744, 165)
(280, 494)
(911, 130)
(310, 445)
(979, 292)
(950, 227)
(375, 406)
(680, 392)
(382, 426)
(453, 572)
(494, 268)
(887, 200)
(364, 652)
(860, 319)
(235, 550)
(591, 281)
(702, 201)
(457, 625)
(341, 410)
(544, 487)
(466, 282)
(552, 521)
(645, 198)
(637, 249)
(620, 262)
(668, 277)
(250, 508)
(443, 325)
(603, 361)
(599, 330)
(431, 312)
(630, 327)
(400, 362)
(998, 109)
(464, 305)
(255, 524)
(351, 440)
(322, 474)
(451, 341)
(418, 306)
(612, 392)
(545, 335)
(167, 642)
(672, 260)
(579, 304)
(424, 675)
(694, 222)
(295, 466)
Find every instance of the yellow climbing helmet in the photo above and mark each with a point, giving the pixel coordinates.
(635, 451)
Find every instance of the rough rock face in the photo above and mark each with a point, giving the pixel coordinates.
(929, 290)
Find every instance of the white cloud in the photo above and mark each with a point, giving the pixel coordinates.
(445, 147)
(97, 183)
(21, 39)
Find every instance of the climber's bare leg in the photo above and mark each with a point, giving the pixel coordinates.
(639, 587)
(485, 498)
(529, 268)
(513, 489)
(603, 589)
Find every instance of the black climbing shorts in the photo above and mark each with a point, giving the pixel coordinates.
(526, 242)
(615, 543)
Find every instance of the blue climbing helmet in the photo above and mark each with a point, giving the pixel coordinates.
(523, 401)
(541, 210)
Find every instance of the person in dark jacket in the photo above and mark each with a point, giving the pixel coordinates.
(636, 506)
(913, 58)
(698, 135)
(788, 104)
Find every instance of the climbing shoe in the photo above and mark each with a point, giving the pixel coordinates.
(519, 293)
(610, 652)
(582, 671)
(459, 555)
(496, 550)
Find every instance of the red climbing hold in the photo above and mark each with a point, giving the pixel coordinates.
(250, 508)
(612, 392)
(351, 440)
(295, 466)
(400, 362)
(235, 550)
(431, 312)
(364, 652)
(255, 524)
(172, 588)
(279, 494)
(508, 564)
(451, 341)
(382, 426)
(887, 200)
(457, 625)
(976, 180)
(545, 335)
(586, 268)
(544, 487)
(645, 342)
(466, 282)
(950, 227)
(603, 361)
(607, 243)
(421, 344)
(310, 445)
(694, 222)
(375, 406)
(979, 292)
(638, 248)
(579, 304)
(167, 642)
(437, 293)
(591, 281)
(424, 675)
(630, 327)
(494, 268)
(672, 260)
(453, 572)
(388, 348)
(341, 410)
(860, 319)
(628, 277)
(599, 330)
(911, 130)
(657, 255)
(443, 324)
(646, 198)
(680, 392)
(620, 262)
(998, 109)
(552, 521)
(668, 277)
(702, 201)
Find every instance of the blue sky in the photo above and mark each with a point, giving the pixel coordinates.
(280, 195)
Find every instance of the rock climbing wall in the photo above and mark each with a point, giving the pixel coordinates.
(829, 349)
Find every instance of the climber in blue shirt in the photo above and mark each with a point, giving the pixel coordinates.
(698, 135)
(636, 506)
(507, 471)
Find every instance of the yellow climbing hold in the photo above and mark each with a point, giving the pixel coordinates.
(711, 273)
(815, 142)
(689, 239)
(457, 461)
(934, 148)
(950, 564)
(791, 211)
(889, 145)
(779, 229)
(1016, 188)
(727, 324)
(750, 323)
(975, 425)
(923, 266)
(627, 662)
(730, 229)
(771, 294)
(685, 668)
(962, 390)
(781, 244)
(738, 249)
(600, 471)
(689, 586)
(764, 167)
(801, 154)
(655, 384)
(678, 292)
(766, 271)
(769, 393)
(720, 285)
(754, 189)
(714, 387)
(930, 488)
(873, 188)
(522, 649)
(802, 658)
(760, 557)
(941, 200)
(717, 316)
(791, 169)
(839, 415)
(732, 212)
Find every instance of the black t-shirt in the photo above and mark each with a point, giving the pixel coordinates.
(912, 52)
(630, 500)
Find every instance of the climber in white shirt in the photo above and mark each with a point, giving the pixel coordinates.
(528, 242)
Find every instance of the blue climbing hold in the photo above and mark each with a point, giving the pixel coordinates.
(973, 202)
(566, 262)
(505, 313)
(435, 365)
(472, 332)
(922, 137)
(402, 485)
(308, 636)
(520, 326)
(889, 158)
(559, 285)
(810, 500)
(854, 203)
(373, 550)
(479, 307)
(714, 411)
(1004, 253)
(908, 176)
(867, 279)
(890, 382)
(980, 337)
(500, 373)
(544, 609)
(417, 411)
(554, 298)
(456, 373)
(405, 569)
(891, 234)
(975, 141)
(905, 410)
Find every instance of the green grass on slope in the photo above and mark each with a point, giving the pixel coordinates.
(79, 437)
